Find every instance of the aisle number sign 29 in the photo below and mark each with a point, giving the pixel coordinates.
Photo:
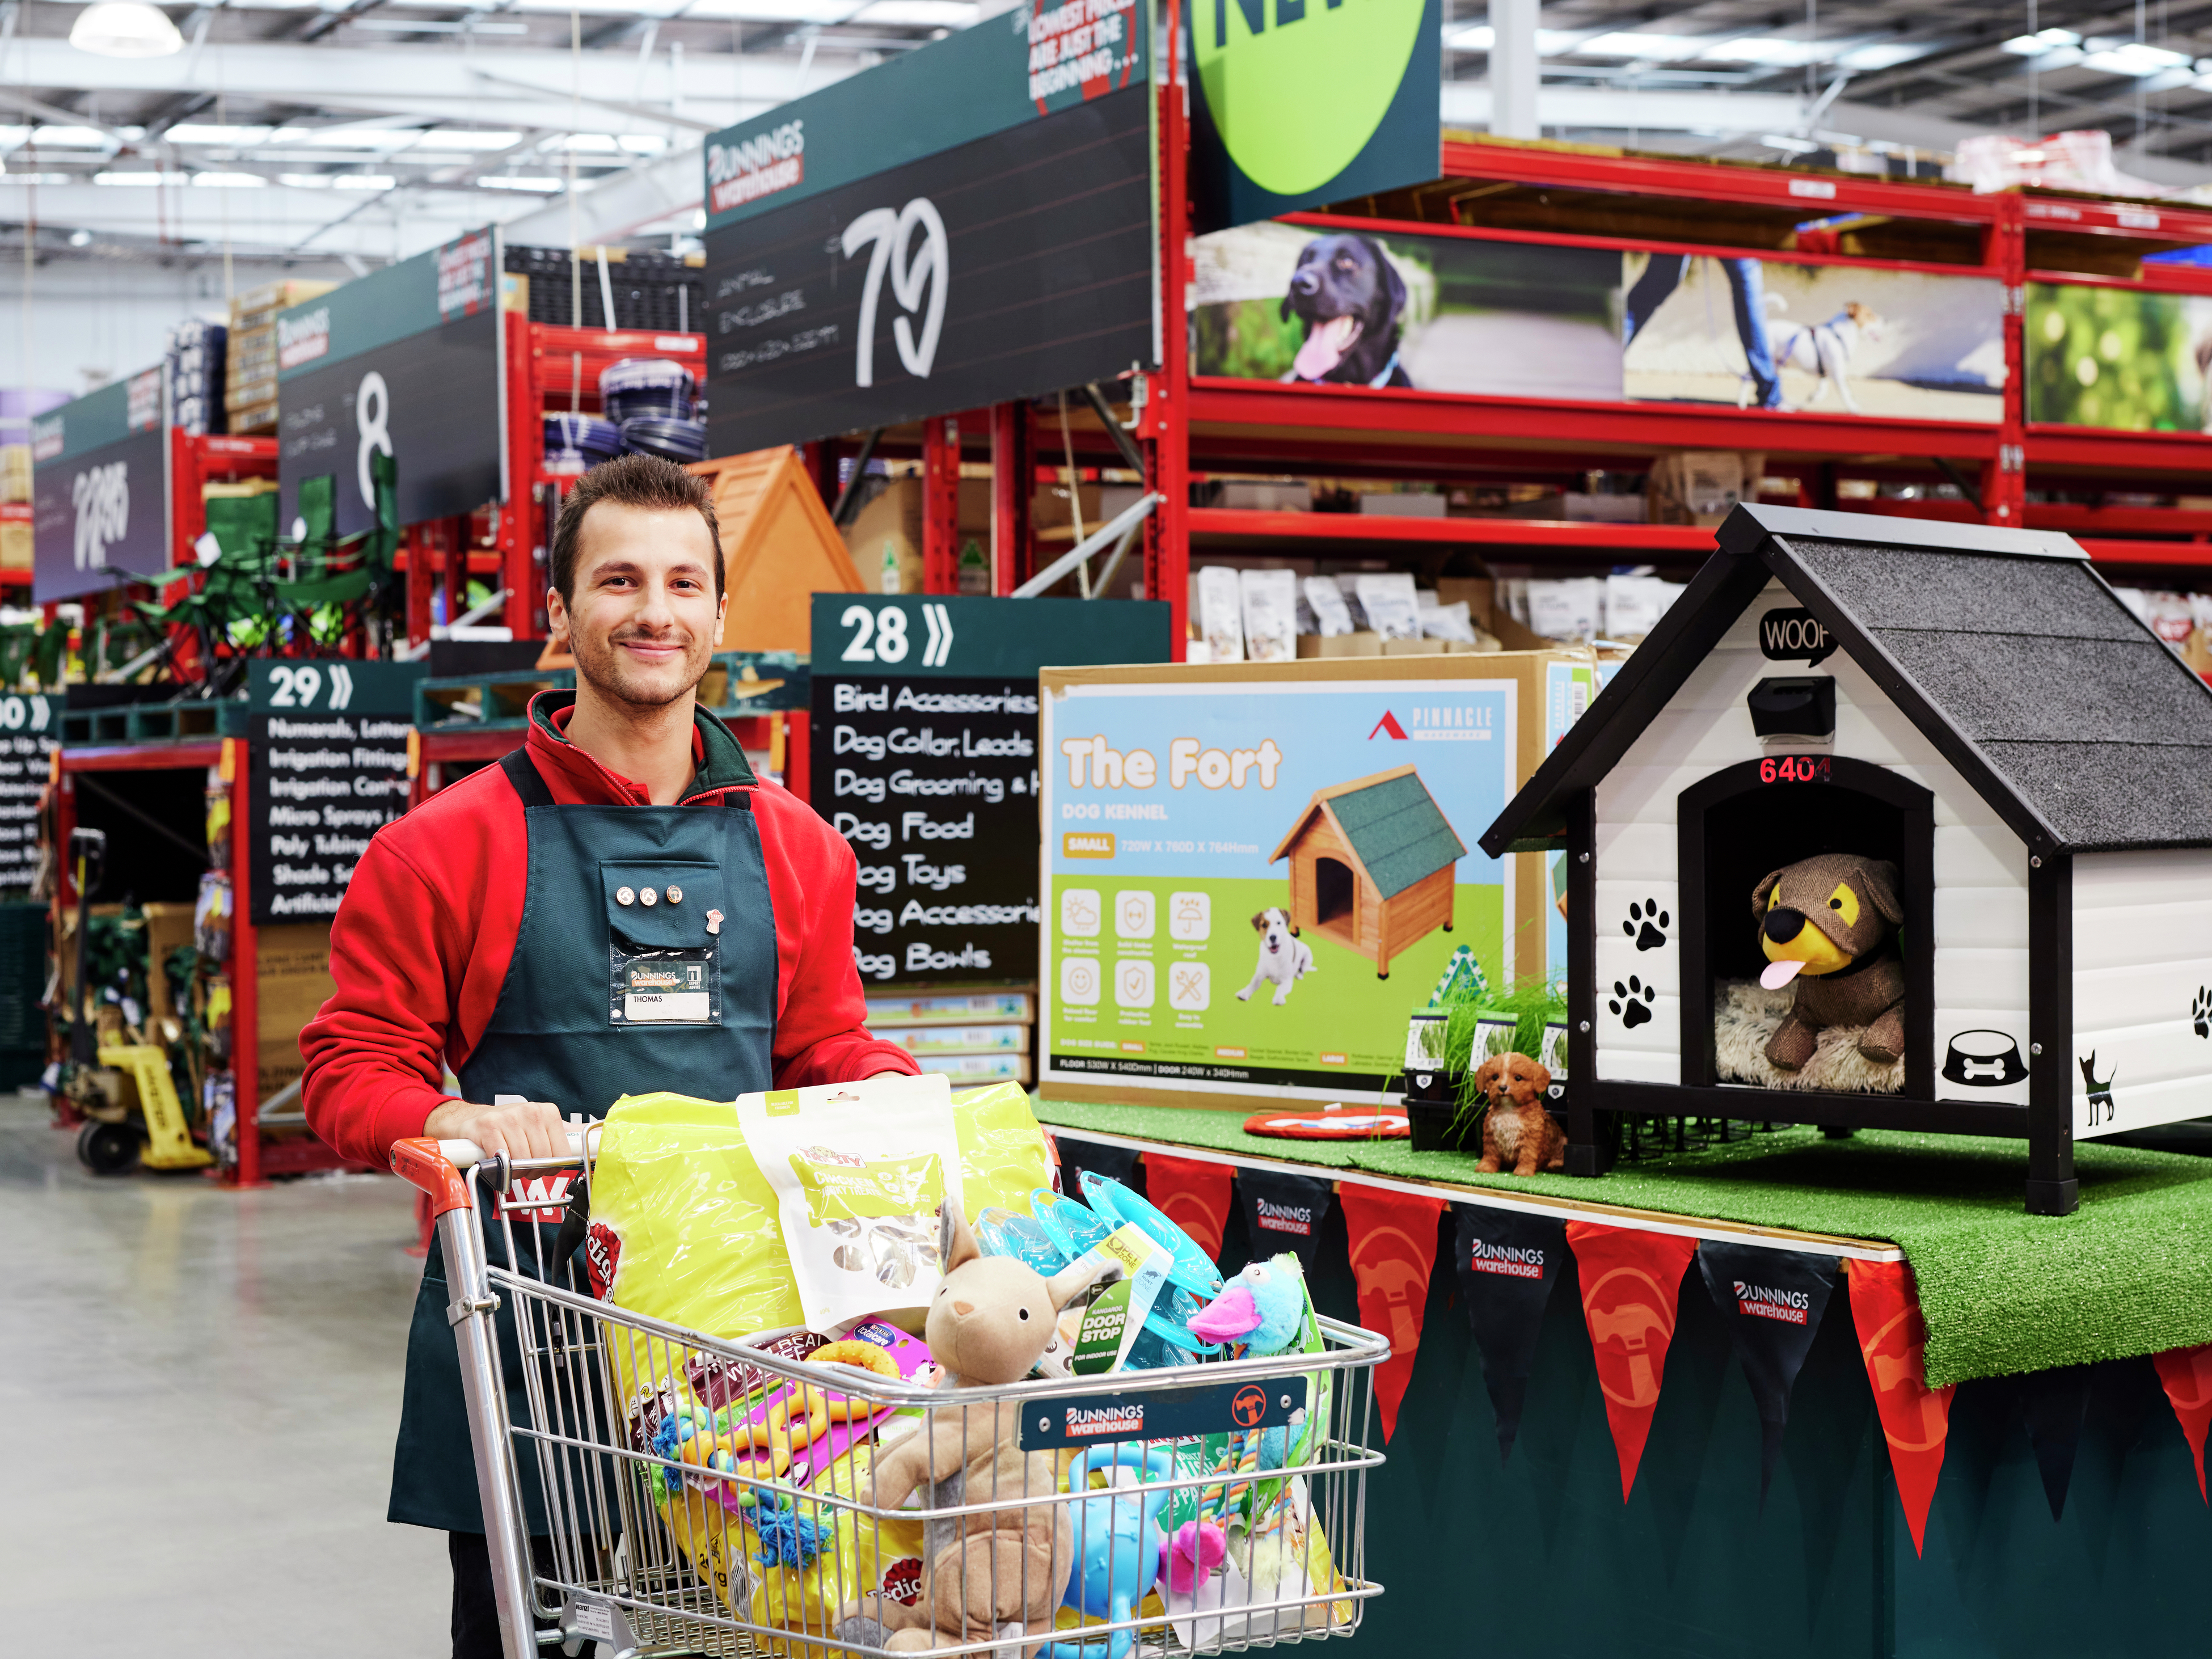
(879, 635)
(298, 687)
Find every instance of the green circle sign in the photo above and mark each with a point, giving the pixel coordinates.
(1296, 87)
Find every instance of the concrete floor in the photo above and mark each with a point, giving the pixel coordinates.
(198, 1392)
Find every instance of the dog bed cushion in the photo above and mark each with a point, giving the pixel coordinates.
(1745, 1014)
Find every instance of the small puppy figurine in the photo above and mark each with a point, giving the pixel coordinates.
(1828, 924)
(1516, 1126)
(1285, 958)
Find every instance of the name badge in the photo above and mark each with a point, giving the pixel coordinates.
(666, 987)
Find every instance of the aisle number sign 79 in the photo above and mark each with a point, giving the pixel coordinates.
(879, 635)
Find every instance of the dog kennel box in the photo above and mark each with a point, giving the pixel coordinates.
(1977, 705)
(1182, 802)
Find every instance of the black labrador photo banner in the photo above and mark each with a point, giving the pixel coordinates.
(1008, 266)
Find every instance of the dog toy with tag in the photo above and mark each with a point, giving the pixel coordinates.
(1827, 925)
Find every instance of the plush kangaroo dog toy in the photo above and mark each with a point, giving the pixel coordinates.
(989, 1324)
(1828, 925)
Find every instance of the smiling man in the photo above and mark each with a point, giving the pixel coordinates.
(617, 907)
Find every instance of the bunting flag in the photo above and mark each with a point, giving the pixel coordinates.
(1393, 1245)
(2186, 1376)
(1193, 1194)
(1077, 1154)
(2054, 1403)
(1915, 1419)
(1283, 1212)
(1771, 1301)
(1630, 1280)
(1507, 1263)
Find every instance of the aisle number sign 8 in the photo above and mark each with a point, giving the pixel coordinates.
(879, 635)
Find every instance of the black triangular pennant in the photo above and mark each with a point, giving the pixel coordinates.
(1283, 1212)
(2054, 1404)
(1076, 1154)
(1507, 1261)
(1772, 1302)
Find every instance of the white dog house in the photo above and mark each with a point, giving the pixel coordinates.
(1976, 706)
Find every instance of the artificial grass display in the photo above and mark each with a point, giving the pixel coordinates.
(2130, 1273)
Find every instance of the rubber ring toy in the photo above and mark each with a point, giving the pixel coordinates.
(1071, 1228)
(843, 1408)
(1190, 1268)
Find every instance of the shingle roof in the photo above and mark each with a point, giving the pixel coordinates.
(1398, 832)
(2083, 712)
(2055, 702)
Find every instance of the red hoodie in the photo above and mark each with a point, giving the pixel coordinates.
(421, 944)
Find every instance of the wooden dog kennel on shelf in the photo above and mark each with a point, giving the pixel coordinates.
(1371, 864)
(1974, 705)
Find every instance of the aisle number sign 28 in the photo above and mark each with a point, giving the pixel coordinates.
(879, 635)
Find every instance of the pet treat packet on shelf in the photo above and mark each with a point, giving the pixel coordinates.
(1448, 621)
(1270, 613)
(1392, 607)
(1332, 616)
(1221, 611)
(860, 1171)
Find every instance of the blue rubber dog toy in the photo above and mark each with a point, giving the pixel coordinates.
(1118, 1545)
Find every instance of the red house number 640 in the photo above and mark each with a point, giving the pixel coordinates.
(1794, 769)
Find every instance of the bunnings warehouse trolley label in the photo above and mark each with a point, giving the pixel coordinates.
(1164, 1414)
(1254, 883)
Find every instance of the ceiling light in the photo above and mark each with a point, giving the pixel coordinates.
(1481, 37)
(140, 180)
(230, 180)
(394, 26)
(2043, 41)
(125, 28)
(1771, 54)
(1650, 48)
(468, 138)
(192, 132)
(362, 180)
(80, 239)
(304, 180)
(511, 182)
(69, 139)
(1883, 55)
(2134, 60)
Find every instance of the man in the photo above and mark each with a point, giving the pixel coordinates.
(521, 926)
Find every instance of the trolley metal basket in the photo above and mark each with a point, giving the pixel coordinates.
(609, 1520)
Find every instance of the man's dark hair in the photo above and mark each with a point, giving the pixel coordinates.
(645, 480)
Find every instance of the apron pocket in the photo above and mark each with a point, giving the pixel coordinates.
(664, 941)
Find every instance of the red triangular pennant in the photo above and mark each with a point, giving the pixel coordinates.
(1915, 1419)
(1193, 1193)
(1393, 1245)
(1629, 1281)
(2187, 1375)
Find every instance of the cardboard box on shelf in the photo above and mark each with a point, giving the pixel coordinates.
(1701, 486)
(258, 306)
(293, 973)
(1229, 800)
(14, 472)
(1313, 645)
(15, 543)
(885, 538)
(1414, 648)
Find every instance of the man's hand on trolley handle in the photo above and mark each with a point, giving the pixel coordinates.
(528, 1129)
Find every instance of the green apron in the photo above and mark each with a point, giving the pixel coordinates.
(605, 996)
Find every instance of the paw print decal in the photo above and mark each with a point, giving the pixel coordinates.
(1651, 934)
(2200, 1013)
(1631, 1001)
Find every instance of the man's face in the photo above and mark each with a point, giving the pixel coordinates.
(644, 619)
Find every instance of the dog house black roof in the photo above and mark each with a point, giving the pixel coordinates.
(2083, 730)
(2080, 727)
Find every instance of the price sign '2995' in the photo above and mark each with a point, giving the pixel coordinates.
(917, 274)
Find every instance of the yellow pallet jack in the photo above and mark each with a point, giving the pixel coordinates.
(168, 1142)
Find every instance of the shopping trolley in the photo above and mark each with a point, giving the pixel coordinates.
(1214, 1507)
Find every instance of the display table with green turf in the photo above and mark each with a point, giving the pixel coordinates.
(2068, 1519)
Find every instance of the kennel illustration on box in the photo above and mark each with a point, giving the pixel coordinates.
(1371, 864)
(2007, 776)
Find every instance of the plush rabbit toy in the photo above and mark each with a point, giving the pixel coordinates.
(987, 1325)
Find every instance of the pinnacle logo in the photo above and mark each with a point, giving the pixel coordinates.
(1388, 723)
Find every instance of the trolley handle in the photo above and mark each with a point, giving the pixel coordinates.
(437, 1166)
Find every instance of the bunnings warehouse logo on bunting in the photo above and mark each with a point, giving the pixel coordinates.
(1252, 886)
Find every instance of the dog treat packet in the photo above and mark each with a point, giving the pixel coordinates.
(1220, 611)
(1448, 621)
(1388, 598)
(1332, 616)
(860, 1171)
(1566, 610)
(1270, 605)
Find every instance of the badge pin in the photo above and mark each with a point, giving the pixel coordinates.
(714, 922)
(676, 895)
(625, 895)
(648, 897)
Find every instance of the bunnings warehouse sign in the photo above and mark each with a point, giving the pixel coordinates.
(100, 490)
(966, 224)
(404, 362)
(329, 769)
(1304, 102)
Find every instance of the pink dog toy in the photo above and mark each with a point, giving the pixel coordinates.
(1197, 1549)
